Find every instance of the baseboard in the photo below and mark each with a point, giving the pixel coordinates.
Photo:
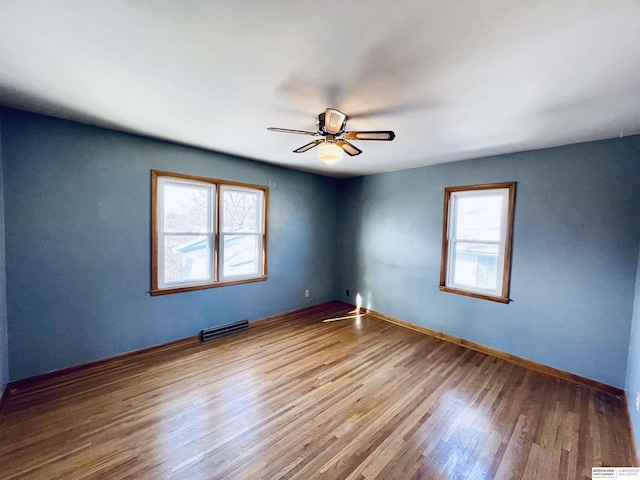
(16, 385)
(181, 343)
(319, 307)
(523, 362)
(13, 387)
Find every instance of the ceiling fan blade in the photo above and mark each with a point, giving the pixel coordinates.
(386, 135)
(349, 148)
(286, 130)
(308, 146)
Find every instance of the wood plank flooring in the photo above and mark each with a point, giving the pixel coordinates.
(296, 397)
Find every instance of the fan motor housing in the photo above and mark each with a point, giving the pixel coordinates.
(333, 124)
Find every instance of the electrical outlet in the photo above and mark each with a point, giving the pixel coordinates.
(306, 293)
(638, 402)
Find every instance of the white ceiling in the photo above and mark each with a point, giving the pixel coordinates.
(453, 79)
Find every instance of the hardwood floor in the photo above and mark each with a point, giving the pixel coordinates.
(296, 397)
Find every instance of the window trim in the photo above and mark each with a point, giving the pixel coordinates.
(445, 259)
(156, 289)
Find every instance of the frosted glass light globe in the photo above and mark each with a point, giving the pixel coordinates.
(329, 153)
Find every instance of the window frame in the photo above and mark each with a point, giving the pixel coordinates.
(505, 243)
(157, 239)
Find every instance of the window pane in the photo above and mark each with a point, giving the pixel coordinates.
(187, 258)
(187, 208)
(241, 255)
(475, 265)
(241, 211)
(478, 217)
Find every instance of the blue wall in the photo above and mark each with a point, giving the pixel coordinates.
(576, 233)
(4, 342)
(633, 366)
(77, 213)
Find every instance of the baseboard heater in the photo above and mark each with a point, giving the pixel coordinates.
(224, 330)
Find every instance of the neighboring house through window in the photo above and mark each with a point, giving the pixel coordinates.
(206, 233)
(476, 240)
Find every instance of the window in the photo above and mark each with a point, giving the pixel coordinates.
(476, 240)
(241, 232)
(206, 233)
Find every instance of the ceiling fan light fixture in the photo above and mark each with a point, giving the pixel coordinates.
(329, 153)
(331, 124)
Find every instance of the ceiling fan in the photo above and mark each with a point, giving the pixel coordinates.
(330, 125)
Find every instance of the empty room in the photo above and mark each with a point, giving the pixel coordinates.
(319, 240)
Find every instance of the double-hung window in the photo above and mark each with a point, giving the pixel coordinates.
(476, 241)
(206, 233)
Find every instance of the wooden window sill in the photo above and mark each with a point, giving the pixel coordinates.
(191, 288)
(467, 293)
